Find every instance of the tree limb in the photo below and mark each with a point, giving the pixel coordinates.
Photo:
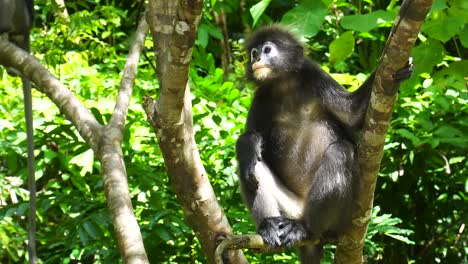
(174, 28)
(69, 105)
(251, 242)
(110, 155)
(106, 141)
(370, 145)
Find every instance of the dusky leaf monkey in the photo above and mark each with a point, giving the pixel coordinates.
(297, 157)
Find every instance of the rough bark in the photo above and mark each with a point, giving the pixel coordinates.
(370, 145)
(105, 141)
(174, 28)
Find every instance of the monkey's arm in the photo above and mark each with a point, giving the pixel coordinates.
(248, 150)
(350, 108)
(250, 143)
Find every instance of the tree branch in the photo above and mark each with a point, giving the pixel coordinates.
(106, 141)
(251, 242)
(110, 155)
(69, 105)
(174, 28)
(370, 146)
(128, 78)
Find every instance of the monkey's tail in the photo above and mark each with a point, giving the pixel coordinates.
(311, 254)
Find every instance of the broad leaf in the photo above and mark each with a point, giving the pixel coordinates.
(257, 10)
(342, 47)
(306, 18)
(442, 26)
(367, 22)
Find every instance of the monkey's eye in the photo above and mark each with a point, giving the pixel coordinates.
(267, 49)
(254, 54)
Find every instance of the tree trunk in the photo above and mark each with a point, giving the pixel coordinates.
(174, 28)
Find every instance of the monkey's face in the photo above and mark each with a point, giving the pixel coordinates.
(263, 60)
(274, 55)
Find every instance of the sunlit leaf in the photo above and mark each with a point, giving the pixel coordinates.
(342, 47)
(367, 22)
(307, 18)
(257, 10)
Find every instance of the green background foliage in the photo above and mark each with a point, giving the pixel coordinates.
(421, 196)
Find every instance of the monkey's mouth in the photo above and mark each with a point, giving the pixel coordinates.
(259, 67)
(261, 72)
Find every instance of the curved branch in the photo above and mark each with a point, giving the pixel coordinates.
(69, 105)
(105, 141)
(251, 242)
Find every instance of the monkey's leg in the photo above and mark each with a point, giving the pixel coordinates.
(271, 199)
(311, 254)
(331, 197)
(274, 209)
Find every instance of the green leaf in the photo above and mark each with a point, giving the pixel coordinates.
(163, 233)
(92, 229)
(442, 26)
(464, 36)
(426, 56)
(85, 160)
(306, 18)
(442, 197)
(257, 10)
(342, 47)
(438, 5)
(458, 8)
(367, 22)
(215, 32)
(409, 135)
(202, 35)
(448, 131)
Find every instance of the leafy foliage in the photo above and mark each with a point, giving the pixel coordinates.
(421, 195)
(306, 18)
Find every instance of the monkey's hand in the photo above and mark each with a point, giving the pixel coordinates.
(249, 152)
(281, 232)
(405, 72)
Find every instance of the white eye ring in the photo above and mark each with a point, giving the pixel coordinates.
(270, 49)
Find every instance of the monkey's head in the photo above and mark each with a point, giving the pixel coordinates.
(274, 53)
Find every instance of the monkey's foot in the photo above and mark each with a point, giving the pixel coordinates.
(405, 72)
(281, 232)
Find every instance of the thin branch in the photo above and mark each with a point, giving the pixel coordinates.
(251, 242)
(62, 12)
(69, 105)
(113, 165)
(128, 78)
